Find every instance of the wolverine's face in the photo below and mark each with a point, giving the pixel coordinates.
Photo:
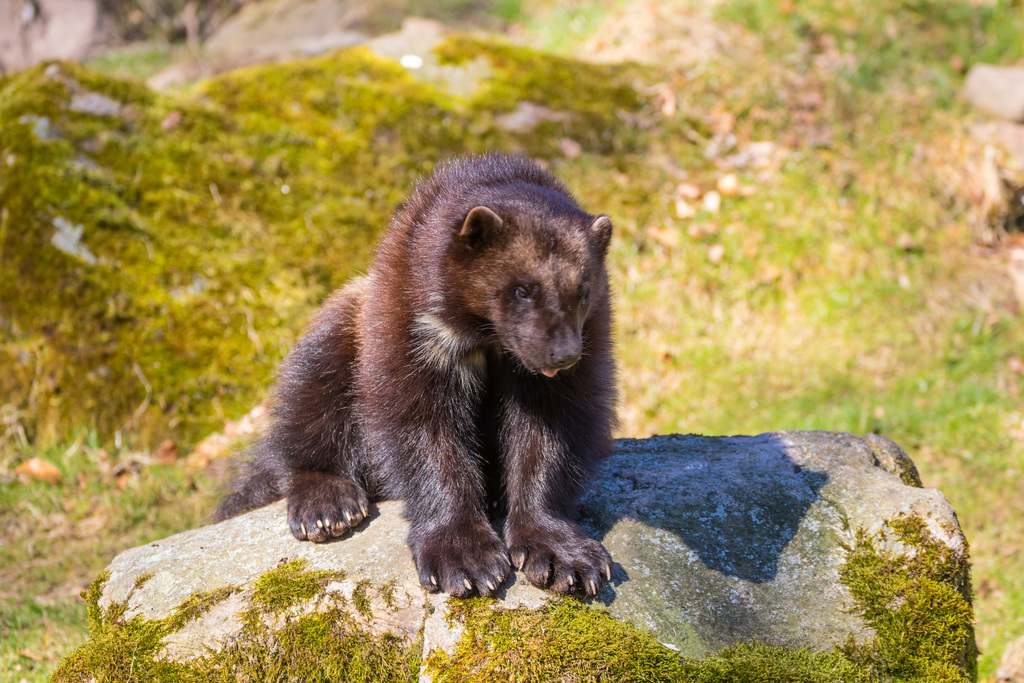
(534, 278)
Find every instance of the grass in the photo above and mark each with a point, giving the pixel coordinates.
(139, 61)
(843, 292)
(56, 538)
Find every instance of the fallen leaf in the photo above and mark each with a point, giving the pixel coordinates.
(728, 185)
(684, 210)
(1016, 365)
(171, 121)
(209, 449)
(665, 101)
(570, 148)
(722, 122)
(698, 230)
(688, 191)
(770, 275)
(715, 253)
(166, 452)
(40, 470)
(665, 236)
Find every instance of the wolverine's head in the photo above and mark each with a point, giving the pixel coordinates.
(532, 270)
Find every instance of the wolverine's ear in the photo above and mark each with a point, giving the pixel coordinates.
(602, 229)
(480, 225)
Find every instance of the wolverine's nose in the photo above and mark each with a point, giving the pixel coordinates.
(565, 353)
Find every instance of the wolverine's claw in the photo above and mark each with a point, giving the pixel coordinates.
(468, 584)
(519, 559)
(608, 572)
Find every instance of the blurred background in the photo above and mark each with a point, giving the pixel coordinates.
(818, 211)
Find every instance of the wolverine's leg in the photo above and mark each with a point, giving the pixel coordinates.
(550, 443)
(421, 430)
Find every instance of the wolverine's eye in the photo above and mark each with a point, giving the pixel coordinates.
(523, 294)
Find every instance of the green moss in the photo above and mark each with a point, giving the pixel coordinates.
(120, 649)
(361, 598)
(327, 645)
(566, 640)
(917, 601)
(141, 580)
(386, 591)
(563, 640)
(215, 220)
(600, 103)
(910, 588)
(197, 605)
(288, 585)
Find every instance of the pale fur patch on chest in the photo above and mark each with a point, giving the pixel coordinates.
(437, 345)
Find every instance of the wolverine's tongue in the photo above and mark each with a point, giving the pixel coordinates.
(549, 373)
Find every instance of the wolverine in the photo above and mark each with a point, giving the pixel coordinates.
(469, 374)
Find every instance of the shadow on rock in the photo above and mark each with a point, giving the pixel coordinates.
(736, 503)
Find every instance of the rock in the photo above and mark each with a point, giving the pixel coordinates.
(276, 29)
(32, 31)
(414, 48)
(997, 90)
(1016, 270)
(717, 541)
(67, 237)
(94, 104)
(527, 116)
(1006, 134)
(1011, 668)
(104, 170)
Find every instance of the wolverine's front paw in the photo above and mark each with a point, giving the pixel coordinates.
(321, 506)
(460, 559)
(558, 555)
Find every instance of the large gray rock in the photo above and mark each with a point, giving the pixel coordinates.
(716, 541)
(997, 90)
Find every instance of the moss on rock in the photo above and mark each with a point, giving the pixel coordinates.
(909, 586)
(160, 251)
(323, 645)
(915, 596)
(917, 600)
(288, 585)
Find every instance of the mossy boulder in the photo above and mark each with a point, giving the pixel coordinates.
(785, 556)
(160, 252)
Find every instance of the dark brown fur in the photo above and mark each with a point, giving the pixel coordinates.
(423, 381)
